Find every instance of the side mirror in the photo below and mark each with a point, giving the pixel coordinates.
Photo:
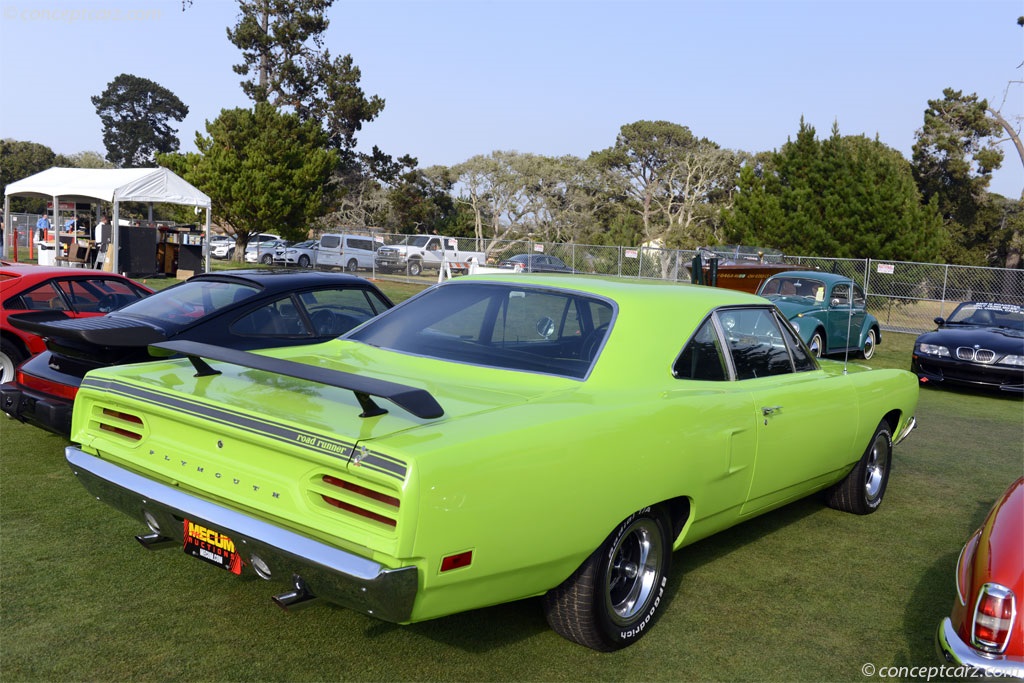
(940, 321)
(546, 327)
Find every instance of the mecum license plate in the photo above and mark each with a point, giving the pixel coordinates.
(209, 545)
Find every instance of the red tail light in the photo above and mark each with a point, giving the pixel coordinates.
(121, 424)
(45, 386)
(361, 491)
(993, 618)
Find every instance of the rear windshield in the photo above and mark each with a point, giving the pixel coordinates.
(500, 325)
(189, 301)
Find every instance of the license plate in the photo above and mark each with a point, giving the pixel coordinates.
(209, 545)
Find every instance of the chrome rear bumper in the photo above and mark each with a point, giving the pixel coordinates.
(952, 650)
(325, 571)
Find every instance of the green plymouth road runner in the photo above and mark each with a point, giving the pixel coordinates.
(495, 437)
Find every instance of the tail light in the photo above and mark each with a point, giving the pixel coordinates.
(993, 618)
(363, 501)
(122, 424)
(45, 386)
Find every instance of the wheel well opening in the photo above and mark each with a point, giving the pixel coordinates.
(678, 510)
(892, 419)
(17, 343)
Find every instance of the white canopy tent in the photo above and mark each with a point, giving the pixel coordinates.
(114, 185)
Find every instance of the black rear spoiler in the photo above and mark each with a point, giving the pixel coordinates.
(419, 402)
(100, 330)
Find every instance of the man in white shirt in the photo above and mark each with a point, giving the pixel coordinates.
(101, 235)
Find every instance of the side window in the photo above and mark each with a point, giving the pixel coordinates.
(41, 298)
(756, 343)
(803, 361)
(330, 242)
(336, 311)
(360, 244)
(278, 318)
(841, 293)
(858, 297)
(702, 359)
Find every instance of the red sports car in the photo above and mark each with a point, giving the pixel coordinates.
(67, 292)
(985, 633)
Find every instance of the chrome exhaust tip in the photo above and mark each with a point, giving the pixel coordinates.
(299, 597)
(155, 541)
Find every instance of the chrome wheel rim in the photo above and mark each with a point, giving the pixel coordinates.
(869, 345)
(634, 568)
(875, 468)
(815, 345)
(6, 368)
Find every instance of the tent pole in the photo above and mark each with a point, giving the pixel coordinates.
(8, 231)
(113, 252)
(206, 242)
(55, 226)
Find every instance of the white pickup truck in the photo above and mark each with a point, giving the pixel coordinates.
(418, 252)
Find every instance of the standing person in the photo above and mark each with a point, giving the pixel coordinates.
(42, 225)
(101, 235)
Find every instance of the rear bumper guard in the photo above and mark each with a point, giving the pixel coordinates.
(327, 572)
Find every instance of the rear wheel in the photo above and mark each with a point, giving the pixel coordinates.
(267, 259)
(10, 358)
(352, 265)
(304, 261)
(614, 597)
(868, 350)
(862, 490)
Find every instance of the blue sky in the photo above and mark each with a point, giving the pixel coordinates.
(549, 77)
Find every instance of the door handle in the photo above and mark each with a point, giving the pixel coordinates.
(770, 410)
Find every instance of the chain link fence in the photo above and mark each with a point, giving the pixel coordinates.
(904, 296)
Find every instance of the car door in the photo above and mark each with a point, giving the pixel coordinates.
(845, 317)
(804, 419)
(329, 251)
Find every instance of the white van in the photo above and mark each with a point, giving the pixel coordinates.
(350, 252)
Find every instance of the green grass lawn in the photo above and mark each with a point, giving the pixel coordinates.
(804, 593)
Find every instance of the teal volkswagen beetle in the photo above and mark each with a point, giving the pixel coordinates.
(828, 311)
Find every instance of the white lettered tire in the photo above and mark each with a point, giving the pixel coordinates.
(616, 595)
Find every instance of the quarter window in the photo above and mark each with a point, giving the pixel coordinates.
(756, 342)
(702, 359)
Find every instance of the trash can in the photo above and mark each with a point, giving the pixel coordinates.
(46, 255)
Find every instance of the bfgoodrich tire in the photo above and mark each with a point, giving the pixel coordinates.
(616, 595)
(862, 490)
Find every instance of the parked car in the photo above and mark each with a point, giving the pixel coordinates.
(981, 344)
(351, 252)
(493, 438)
(226, 250)
(536, 263)
(263, 252)
(302, 254)
(828, 311)
(61, 293)
(985, 632)
(241, 309)
(218, 240)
